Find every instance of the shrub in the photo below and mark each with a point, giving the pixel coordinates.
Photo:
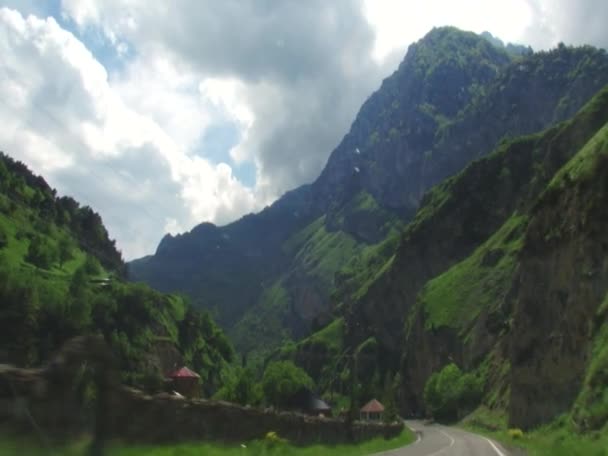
(41, 253)
(449, 393)
(515, 433)
(281, 380)
(273, 438)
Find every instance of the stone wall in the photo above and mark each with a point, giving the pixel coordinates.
(48, 400)
(165, 418)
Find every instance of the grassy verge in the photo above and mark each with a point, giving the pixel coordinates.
(14, 447)
(556, 439)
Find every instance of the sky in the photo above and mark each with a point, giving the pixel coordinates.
(162, 115)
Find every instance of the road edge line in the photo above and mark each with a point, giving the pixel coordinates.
(500, 453)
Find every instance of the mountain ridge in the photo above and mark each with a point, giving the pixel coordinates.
(399, 146)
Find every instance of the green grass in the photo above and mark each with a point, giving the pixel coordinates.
(591, 407)
(16, 250)
(455, 298)
(323, 253)
(555, 439)
(582, 164)
(14, 447)
(331, 336)
(262, 326)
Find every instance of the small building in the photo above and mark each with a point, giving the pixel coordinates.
(319, 407)
(372, 411)
(305, 401)
(185, 382)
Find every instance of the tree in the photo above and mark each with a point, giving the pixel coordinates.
(391, 411)
(40, 253)
(450, 392)
(281, 380)
(65, 251)
(442, 392)
(3, 239)
(92, 266)
(241, 388)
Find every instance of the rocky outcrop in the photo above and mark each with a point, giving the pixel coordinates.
(456, 220)
(560, 285)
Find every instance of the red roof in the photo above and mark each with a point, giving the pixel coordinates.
(373, 406)
(184, 372)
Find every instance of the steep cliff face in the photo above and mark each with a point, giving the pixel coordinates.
(451, 100)
(559, 288)
(397, 125)
(503, 271)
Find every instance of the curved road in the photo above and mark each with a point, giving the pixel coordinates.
(437, 440)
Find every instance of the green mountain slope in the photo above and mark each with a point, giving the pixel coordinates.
(60, 276)
(423, 125)
(503, 271)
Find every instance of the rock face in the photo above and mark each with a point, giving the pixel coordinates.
(503, 271)
(561, 283)
(451, 100)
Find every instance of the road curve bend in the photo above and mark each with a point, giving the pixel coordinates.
(437, 440)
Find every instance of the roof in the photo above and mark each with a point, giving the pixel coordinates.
(184, 372)
(373, 406)
(319, 405)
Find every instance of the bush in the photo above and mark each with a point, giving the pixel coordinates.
(41, 253)
(92, 266)
(273, 438)
(515, 433)
(240, 387)
(450, 393)
(282, 379)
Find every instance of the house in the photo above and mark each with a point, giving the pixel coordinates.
(185, 382)
(372, 411)
(306, 401)
(319, 407)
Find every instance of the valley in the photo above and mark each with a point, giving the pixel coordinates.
(449, 261)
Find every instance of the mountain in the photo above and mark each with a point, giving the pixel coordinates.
(502, 275)
(61, 277)
(516, 49)
(270, 277)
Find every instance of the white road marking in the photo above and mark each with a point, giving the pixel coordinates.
(449, 437)
(445, 447)
(500, 453)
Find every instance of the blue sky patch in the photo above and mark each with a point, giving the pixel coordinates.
(215, 145)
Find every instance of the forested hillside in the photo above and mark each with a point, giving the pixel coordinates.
(61, 276)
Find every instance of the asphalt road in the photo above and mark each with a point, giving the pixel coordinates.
(437, 440)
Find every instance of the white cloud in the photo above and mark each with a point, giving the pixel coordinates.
(400, 22)
(539, 23)
(121, 146)
(290, 76)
